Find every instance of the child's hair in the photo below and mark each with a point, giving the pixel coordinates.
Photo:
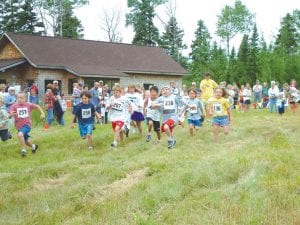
(117, 88)
(154, 88)
(132, 86)
(86, 94)
(192, 90)
(224, 92)
(50, 86)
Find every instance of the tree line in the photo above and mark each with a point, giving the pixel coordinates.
(254, 59)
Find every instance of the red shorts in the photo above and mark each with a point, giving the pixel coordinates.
(170, 123)
(117, 123)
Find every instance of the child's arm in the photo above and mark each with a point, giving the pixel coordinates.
(74, 121)
(229, 115)
(98, 115)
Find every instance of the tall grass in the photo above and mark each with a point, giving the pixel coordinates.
(250, 177)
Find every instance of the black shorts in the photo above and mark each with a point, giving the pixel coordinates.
(247, 102)
(156, 124)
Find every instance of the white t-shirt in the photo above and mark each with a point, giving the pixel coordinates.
(247, 94)
(137, 101)
(154, 114)
(119, 108)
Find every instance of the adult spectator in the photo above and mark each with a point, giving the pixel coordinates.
(207, 87)
(257, 94)
(10, 98)
(58, 110)
(95, 99)
(273, 96)
(3, 93)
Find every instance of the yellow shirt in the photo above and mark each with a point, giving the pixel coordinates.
(207, 88)
(218, 106)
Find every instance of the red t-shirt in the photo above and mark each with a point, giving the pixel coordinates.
(23, 113)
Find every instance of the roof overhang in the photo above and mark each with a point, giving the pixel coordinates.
(10, 63)
(157, 73)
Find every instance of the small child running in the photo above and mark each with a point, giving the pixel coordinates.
(195, 111)
(152, 115)
(219, 108)
(21, 111)
(85, 113)
(4, 119)
(168, 103)
(119, 106)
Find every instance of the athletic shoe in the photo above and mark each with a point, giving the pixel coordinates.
(174, 143)
(91, 148)
(170, 144)
(34, 148)
(148, 138)
(23, 152)
(113, 145)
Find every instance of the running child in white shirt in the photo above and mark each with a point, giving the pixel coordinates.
(152, 115)
(138, 105)
(118, 107)
(168, 103)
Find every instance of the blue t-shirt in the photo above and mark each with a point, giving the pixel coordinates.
(85, 113)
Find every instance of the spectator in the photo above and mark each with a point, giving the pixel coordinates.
(273, 96)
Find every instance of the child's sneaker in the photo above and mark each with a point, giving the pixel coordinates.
(34, 148)
(91, 148)
(126, 130)
(174, 143)
(148, 137)
(170, 144)
(113, 145)
(23, 152)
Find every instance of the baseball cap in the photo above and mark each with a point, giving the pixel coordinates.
(55, 82)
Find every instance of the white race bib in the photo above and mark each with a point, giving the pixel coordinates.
(169, 104)
(117, 106)
(217, 108)
(22, 112)
(193, 110)
(86, 113)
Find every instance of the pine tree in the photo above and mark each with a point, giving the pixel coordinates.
(172, 40)
(232, 65)
(253, 55)
(218, 62)
(200, 54)
(141, 18)
(28, 21)
(10, 19)
(242, 75)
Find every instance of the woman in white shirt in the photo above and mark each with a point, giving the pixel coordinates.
(273, 96)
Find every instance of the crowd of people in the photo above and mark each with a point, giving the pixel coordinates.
(127, 107)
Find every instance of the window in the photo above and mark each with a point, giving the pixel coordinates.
(2, 81)
(70, 85)
(147, 86)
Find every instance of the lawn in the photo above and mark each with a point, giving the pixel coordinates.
(251, 177)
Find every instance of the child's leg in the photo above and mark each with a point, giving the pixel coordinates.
(191, 129)
(90, 139)
(150, 125)
(28, 143)
(121, 136)
(168, 131)
(117, 133)
(158, 135)
(139, 126)
(216, 132)
(226, 130)
(21, 140)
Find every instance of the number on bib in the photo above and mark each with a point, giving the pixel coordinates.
(169, 105)
(193, 110)
(86, 113)
(217, 108)
(117, 106)
(22, 113)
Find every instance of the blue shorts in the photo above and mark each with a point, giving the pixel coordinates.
(85, 129)
(25, 130)
(221, 121)
(195, 123)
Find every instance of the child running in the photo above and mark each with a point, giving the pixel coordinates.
(168, 103)
(118, 107)
(4, 133)
(85, 113)
(21, 111)
(195, 111)
(219, 109)
(137, 100)
(280, 104)
(152, 115)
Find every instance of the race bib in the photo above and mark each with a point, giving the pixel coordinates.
(86, 113)
(22, 113)
(169, 104)
(217, 108)
(194, 109)
(117, 107)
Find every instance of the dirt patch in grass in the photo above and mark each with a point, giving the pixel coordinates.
(50, 183)
(121, 186)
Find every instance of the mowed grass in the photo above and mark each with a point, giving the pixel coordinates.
(251, 177)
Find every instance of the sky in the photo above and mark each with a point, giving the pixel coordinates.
(268, 14)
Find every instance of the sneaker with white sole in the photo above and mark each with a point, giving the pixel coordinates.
(91, 148)
(148, 137)
(170, 144)
(23, 152)
(113, 145)
(34, 148)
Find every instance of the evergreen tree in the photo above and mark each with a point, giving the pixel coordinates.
(232, 65)
(200, 54)
(2, 9)
(242, 70)
(11, 10)
(141, 18)
(28, 21)
(218, 62)
(263, 61)
(172, 40)
(253, 55)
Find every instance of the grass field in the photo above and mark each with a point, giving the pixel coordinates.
(251, 177)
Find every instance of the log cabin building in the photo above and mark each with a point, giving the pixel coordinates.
(25, 59)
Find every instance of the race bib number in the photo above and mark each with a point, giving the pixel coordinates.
(117, 107)
(217, 108)
(86, 113)
(169, 104)
(22, 113)
(193, 109)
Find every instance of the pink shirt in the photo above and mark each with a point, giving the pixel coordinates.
(23, 112)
